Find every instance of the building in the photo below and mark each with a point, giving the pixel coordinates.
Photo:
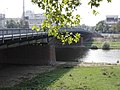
(112, 19)
(34, 19)
(2, 20)
(30, 17)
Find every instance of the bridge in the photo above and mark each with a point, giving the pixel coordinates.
(15, 46)
(14, 37)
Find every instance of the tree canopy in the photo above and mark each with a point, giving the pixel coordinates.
(11, 24)
(115, 28)
(102, 26)
(59, 13)
(16, 24)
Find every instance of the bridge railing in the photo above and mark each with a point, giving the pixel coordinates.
(13, 33)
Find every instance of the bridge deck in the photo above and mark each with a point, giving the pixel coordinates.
(15, 35)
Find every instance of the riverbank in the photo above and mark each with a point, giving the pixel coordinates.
(65, 76)
(99, 43)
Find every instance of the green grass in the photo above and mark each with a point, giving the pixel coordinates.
(77, 78)
(113, 44)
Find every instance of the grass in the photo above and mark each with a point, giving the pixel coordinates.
(77, 78)
(113, 44)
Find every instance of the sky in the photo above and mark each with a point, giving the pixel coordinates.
(14, 9)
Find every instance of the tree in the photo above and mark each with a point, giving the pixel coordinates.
(23, 24)
(102, 26)
(117, 26)
(59, 13)
(86, 27)
(11, 24)
(20, 24)
(112, 29)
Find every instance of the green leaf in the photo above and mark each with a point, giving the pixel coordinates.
(95, 12)
(37, 29)
(59, 14)
(109, 0)
(34, 27)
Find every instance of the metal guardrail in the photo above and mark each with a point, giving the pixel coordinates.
(15, 33)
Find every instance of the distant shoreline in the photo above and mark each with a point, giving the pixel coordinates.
(99, 43)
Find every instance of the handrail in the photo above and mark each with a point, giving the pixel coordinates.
(13, 33)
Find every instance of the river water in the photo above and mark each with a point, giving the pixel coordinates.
(88, 55)
(106, 56)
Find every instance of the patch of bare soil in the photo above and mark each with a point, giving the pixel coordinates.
(15, 74)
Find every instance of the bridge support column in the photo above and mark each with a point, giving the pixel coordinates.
(81, 41)
(52, 54)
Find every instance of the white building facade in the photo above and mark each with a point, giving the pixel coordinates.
(34, 19)
(112, 19)
(30, 17)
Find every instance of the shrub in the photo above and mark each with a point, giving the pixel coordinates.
(94, 47)
(106, 46)
(117, 61)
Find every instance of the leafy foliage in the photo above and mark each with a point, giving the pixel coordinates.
(117, 26)
(17, 24)
(96, 3)
(11, 24)
(94, 47)
(59, 14)
(23, 24)
(106, 46)
(102, 26)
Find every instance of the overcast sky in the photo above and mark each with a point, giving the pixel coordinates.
(13, 8)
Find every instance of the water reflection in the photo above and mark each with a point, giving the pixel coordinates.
(108, 56)
(82, 54)
(70, 53)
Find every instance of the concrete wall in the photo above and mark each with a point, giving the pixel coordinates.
(40, 55)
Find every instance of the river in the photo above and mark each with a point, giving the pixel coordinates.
(106, 56)
(88, 55)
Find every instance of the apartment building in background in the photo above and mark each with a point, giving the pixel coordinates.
(30, 17)
(34, 19)
(112, 19)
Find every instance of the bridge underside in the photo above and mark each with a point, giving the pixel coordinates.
(16, 42)
(29, 54)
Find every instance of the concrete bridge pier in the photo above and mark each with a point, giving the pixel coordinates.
(30, 54)
(52, 54)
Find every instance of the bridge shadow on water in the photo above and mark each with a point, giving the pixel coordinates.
(70, 53)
